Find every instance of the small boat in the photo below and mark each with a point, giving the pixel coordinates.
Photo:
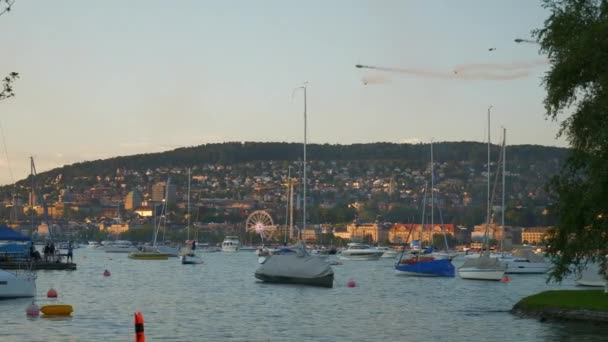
(424, 265)
(296, 267)
(190, 259)
(231, 244)
(119, 246)
(149, 255)
(57, 309)
(17, 285)
(359, 251)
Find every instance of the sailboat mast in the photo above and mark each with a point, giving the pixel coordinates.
(432, 197)
(485, 238)
(423, 209)
(287, 210)
(189, 177)
(304, 169)
(504, 169)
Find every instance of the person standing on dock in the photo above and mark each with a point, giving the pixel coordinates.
(70, 255)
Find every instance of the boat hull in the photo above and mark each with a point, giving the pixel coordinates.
(427, 268)
(149, 256)
(190, 259)
(17, 286)
(323, 281)
(361, 257)
(526, 268)
(475, 273)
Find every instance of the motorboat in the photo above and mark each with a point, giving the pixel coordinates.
(17, 285)
(590, 276)
(295, 266)
(231, 244)
(525, 262)
(360, 251)
(388, 252)
(119, 246)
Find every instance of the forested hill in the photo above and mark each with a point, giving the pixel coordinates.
(237, 152)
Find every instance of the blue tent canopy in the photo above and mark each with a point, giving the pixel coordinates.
(8, 234)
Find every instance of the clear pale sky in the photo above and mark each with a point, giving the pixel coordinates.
(111, 78)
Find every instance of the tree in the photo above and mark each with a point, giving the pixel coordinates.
(575, 39)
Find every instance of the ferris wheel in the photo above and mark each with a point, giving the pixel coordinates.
(260, 222)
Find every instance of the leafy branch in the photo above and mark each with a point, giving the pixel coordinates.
(6, 4)
(7, 86)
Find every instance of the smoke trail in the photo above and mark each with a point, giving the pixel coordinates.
(471, 72)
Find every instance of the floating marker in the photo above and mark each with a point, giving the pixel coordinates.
(52, 293)
(32, 310)
(351, 283)
(506, 279)
(106, 273)
(139, 328)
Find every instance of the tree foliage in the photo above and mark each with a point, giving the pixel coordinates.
(575, 39)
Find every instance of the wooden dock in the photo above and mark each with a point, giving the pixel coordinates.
(38, 265)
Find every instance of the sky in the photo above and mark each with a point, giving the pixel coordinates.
(100, 79)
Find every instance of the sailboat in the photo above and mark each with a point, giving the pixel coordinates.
(484, 267)
(187, 255)
(152, 252)
(522, 261)
(423, 264)
(299, 267)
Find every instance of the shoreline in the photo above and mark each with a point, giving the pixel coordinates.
(564, 305)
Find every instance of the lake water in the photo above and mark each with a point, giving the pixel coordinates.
(222, 301)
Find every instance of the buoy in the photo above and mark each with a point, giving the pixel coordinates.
(56, 310)
(506, 279)
(106, 273)
(52, 293)
(139, 328)
(32, 310)
(351, 283)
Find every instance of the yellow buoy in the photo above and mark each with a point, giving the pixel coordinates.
(56, 309)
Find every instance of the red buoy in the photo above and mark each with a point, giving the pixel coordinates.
(506, 279)
(32, 310)
(52, 293)
(351, 283)
(106, 273)
(139, 328)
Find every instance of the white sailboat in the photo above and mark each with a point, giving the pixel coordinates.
(187, 254)
(524, 261)
(17, 284)
(299, 267)
(484, 267)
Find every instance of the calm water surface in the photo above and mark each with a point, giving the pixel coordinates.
(222, 301)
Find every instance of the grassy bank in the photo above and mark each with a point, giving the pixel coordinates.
(580, 305)
(594, 300)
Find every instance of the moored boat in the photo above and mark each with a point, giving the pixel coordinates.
(360, 251)
(17, 285)
(231, 244)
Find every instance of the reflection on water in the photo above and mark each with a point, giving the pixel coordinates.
(221, 300)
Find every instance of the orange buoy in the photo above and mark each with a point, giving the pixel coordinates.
(351, 283)
(52, 293)
(106, 273)
(506, 279)
(139, 328)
